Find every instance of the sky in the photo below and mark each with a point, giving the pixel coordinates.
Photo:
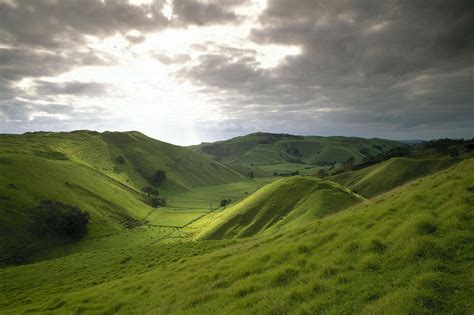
(186, 71)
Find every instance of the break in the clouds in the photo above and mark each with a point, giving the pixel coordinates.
(190, 71)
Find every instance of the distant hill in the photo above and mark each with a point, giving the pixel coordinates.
(268, 148)
(285, 202)
(379, 178)
(412, 142)
(102, 173)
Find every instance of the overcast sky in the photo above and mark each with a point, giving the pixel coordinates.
(187, 71)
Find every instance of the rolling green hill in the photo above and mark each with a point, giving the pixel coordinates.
(101, 173)
(378, 178)
(408, 251)
(141, 157)
(288, 201)
(267, 148)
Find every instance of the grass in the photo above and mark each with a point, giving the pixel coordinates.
(302, 169)
(82, 169)
(407, 251)
(265, 148)
(392, 173)
(289, 245)
(287, 201)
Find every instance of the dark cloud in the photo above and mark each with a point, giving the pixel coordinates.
(16, 63)
(386, 66)
(204, 13)
(70, 88)
(49, 24)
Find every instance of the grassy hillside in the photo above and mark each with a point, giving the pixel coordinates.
(82, 169)
(409, 251)
(389, 174)
(266, 148)
(142, 156)
(288, 201)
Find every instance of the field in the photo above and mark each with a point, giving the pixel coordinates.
(396, 237)
(282, 168)
(185, 207)
(82, 169)
(407, 251)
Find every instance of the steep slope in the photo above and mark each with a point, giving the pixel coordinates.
(26, 180)
(409, 251)
(268, 148)
(128, 157)
(285, 202)
(389, 174)
(82, 169)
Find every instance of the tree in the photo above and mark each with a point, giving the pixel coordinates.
(158, 178)
(150, 191)
(54, 217)
(251, 175)
(225, 202)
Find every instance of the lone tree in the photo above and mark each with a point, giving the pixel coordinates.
(55, 217)
(158, 178)
(225, 202)
(251, 175)
(150, 191)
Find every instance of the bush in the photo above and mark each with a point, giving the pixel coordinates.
(54, 217)
(158, 178)
(150, 191)
(225, 202)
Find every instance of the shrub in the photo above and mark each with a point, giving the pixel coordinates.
(54, 217)
(225, 202)
(150, 191)
(158, 178)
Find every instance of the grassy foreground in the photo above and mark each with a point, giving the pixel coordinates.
(382, 177)
(410, 250)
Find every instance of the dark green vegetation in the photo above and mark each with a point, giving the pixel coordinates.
(291, 245)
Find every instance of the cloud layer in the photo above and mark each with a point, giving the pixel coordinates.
(395, 68)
